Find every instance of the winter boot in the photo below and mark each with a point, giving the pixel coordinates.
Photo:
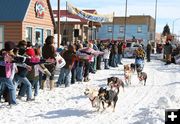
(86, 79)
(43, 84)
(51, 84)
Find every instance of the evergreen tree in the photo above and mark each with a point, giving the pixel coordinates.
(166, 30)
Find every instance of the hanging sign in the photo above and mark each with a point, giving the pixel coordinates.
(39, 9)
(89, 16)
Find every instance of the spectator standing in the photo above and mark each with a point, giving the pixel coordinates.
(114, 52)
(7, 77)
(65, 72)
(49, 52)
(106, 57)
(168, 51)
(148, 52)
(120, 52)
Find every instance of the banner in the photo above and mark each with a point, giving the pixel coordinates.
(89, 16)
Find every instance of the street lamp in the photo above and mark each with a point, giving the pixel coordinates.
(173, 24)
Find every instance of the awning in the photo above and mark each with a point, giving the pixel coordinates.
(96, 24)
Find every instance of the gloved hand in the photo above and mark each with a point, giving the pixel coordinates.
(46, 71)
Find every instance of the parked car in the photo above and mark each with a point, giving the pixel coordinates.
(130, 48)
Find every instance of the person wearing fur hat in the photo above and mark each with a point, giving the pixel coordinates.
(139, 56)
(6, 76)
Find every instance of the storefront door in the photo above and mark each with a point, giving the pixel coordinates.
(39, 35)
(1, 37)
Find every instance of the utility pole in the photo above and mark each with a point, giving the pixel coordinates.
(173, 25)
(155, 27)
(58, 24)
(125, 22)
(113, 28)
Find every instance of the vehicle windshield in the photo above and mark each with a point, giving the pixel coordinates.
(135, 45)
(128, 45)
(132, 45)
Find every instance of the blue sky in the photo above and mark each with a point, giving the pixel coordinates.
(167, 10)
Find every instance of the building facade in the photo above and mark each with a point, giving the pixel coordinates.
(138, 27)
(73, 27)
(30, 20)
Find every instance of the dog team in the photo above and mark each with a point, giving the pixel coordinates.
(130, 69)
(102, 97)
(106, 97)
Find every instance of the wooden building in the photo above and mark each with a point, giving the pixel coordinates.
(30, 20)
(73, 27)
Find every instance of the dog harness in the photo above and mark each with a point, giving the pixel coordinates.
(92, 100)
(114, 85)
(126, 76)
(141, 78)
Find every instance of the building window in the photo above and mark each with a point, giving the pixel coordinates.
(39, 35)
(139, 29)
(48, 32)
(29, 34)
(151, 36)
(109, 28)
(121, 29)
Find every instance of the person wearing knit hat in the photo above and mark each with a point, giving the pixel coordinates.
(9, 45)
(30, 52)
(8, 48)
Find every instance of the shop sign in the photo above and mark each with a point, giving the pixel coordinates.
(39, 9)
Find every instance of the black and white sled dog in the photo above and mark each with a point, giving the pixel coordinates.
(108, 97)
(115, 83)
(133, 67)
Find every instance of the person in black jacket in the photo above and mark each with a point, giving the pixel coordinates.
(114, 52)
(120, 52)
(148, 52)
(23, 68)
(167, 52)
(49, 52)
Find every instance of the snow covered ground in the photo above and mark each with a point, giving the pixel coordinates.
(138, 104)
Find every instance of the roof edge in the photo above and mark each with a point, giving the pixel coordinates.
(27, 10)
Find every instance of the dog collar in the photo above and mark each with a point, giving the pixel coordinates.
(141, 78)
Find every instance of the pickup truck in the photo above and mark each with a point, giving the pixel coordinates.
(130, 48)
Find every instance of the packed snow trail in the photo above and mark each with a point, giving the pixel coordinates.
(138, 104)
